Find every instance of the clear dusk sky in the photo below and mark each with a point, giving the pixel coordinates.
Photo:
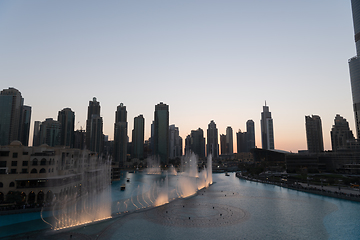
(208, 60)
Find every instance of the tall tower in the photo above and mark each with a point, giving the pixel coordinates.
(50, 132)
(314, 134)
(94, 127)
(340, 133)
(267, 130)
(229, 140)
(241, 141)
(67, 119)
(13, 124)
(354, 65)
(250, 135)
(138, 137)
(161, 132)
(120, 135)
(197, 142)
(223, 145)
(212, 146)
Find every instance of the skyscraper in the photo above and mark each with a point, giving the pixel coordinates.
(138, 137)
(250, 135)
(212, 146)
(14, 117)
(354, 65)
(67, 119)
(314, 134)
(120, 135)
(36, 134)
(94, 127)
(175, 142)
(50, 132)
(241, 141)
(223, 144)
(161, 132)
(229, 140)
(340, 133)
(267, 130)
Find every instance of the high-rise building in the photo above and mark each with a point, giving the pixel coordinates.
(354, 65)
(94, 127)
(36, 134)
(241, 139)
(212, 146)
(314, 134)
(138, 137)
(50, 132)
(161, 132)
(340, 133)
(267, 129)
(67, 119)
(250, 135)
(223, 144)
(175, 142)
(195, 142)
(79, 139)
(14, 117)
(120, 135)
(229, 140)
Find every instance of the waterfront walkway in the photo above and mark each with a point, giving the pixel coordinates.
(346, 193)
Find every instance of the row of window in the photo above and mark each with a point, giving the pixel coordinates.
(25, 170)
(26, 163)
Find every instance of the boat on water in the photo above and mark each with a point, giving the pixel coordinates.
(128, 179)
(122, 188)
(227, 174)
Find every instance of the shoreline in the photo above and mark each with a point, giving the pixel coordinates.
(313, 189)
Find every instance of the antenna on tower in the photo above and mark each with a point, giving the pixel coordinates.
(265, 103)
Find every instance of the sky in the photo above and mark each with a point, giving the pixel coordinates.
(208, 60)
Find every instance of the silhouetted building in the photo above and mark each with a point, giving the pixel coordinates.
(50, 132)
(36, 133)
(175, 142)
(314, 134)
(250, 135)
(223, 144)
(229, 140)
(267, 129)
(161, 132)
(138, 137)
(14, 117)
(79, 139)
(67, 119)
(212, 146)
(94, 127)
(354, 65)
(120, 135)
(340, 133)
(196, 143)
(241, 139)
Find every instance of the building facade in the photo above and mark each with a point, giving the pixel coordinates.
(14, 118)
(341, 134)
(138, 137)
(161, 132)
(175, 142)
(354, 66)
(120, 135)
(229, 140)
(67, 119)
(94, 127)
(250, 135)
(267, 129)
(212, 145)
(241, 141)
(50, 132)
(314, 136)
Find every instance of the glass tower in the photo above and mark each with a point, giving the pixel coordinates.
(161, 132)
(354, 65)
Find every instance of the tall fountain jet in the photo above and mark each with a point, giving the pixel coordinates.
(354, 65)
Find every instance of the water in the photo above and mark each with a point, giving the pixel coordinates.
(250, 210)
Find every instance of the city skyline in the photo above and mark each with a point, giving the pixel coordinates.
(206, 61)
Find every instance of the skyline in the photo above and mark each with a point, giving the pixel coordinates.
(213, 61)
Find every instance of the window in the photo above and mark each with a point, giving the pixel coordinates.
(4, 153)
(43, 162)
(2, 171)
(1, 184)
(42, 170)
(25, 153)
(12, 184)
(14, 163)
(12, 171)
(2, 163)
(15, 155)
(34, 170)
(24, 170)
(25, 163)
(35, 162)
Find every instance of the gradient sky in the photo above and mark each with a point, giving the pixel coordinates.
(208, 60)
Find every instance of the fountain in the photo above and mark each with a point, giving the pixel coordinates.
(153, 165)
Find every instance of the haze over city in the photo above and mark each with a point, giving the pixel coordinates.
(207, 60)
